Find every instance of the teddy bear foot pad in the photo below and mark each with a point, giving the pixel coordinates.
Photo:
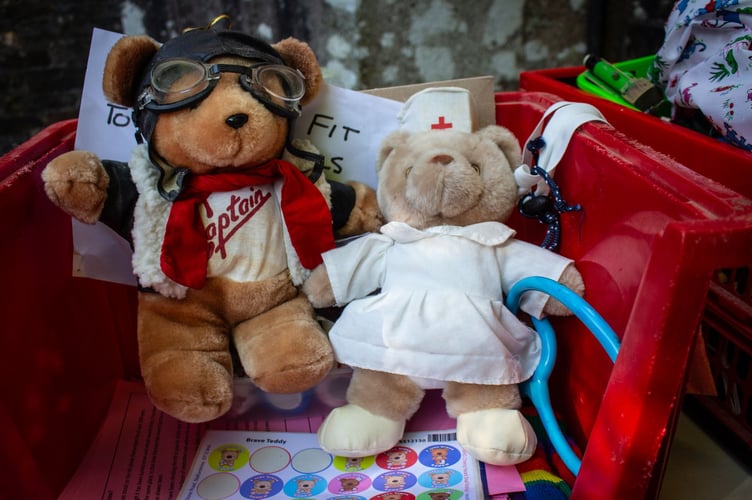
(496, 436)
(352, 431)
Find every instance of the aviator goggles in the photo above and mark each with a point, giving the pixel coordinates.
(177, 83)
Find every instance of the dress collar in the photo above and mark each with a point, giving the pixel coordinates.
(486, 233)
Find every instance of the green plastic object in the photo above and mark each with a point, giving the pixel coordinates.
(638, 67)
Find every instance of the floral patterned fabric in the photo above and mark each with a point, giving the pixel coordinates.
(705, 67)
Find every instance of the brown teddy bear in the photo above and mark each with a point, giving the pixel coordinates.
(439, 269)
(223, 230)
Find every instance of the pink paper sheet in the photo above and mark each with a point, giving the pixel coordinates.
(140, 452)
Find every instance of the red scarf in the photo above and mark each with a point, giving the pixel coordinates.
(306, 215)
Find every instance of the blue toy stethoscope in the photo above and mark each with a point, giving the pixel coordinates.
(536, 388)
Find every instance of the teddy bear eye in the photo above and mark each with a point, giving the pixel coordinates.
(475, 167)
(407, 171)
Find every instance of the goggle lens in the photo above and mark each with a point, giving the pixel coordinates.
(175, 80)
(280, 82)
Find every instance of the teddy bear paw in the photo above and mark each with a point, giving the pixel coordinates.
(353, 431)
(496, 436)
(77, 182)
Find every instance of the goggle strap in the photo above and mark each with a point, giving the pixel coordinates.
(317, 159)
(171, 179)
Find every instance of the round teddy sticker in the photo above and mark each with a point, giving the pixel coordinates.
(305, 486)
(352, 482)
(394, 480)
(353, 464)
(442, 494)
(396, 495)
(261, 486)
(228, 457)
(440, 478)
(399, 457)
(442, 455)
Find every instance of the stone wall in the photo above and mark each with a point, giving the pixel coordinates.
(360, 43)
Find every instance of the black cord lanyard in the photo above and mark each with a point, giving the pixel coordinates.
(547, 209)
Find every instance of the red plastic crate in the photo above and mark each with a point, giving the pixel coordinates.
(727, 326)
(650, 237)
(710, 157)
(726, 303)
(66, 341)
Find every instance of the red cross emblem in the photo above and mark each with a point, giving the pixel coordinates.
(441, 124)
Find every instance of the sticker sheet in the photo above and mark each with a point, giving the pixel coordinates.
(259, 465)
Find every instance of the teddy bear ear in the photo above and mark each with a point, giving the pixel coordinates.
(299, 55)
(125, 63)
(389, 144)
(506, 141)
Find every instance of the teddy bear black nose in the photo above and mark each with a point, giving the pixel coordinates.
(237, 120)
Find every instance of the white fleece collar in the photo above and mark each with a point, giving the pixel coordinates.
(150, 220)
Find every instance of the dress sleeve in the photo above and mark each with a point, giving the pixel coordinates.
(520, 259)
(357, 268)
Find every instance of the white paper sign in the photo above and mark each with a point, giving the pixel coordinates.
(345, 125)
(348, 128)
(103, 128)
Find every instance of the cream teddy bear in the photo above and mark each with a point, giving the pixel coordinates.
(424, 298)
